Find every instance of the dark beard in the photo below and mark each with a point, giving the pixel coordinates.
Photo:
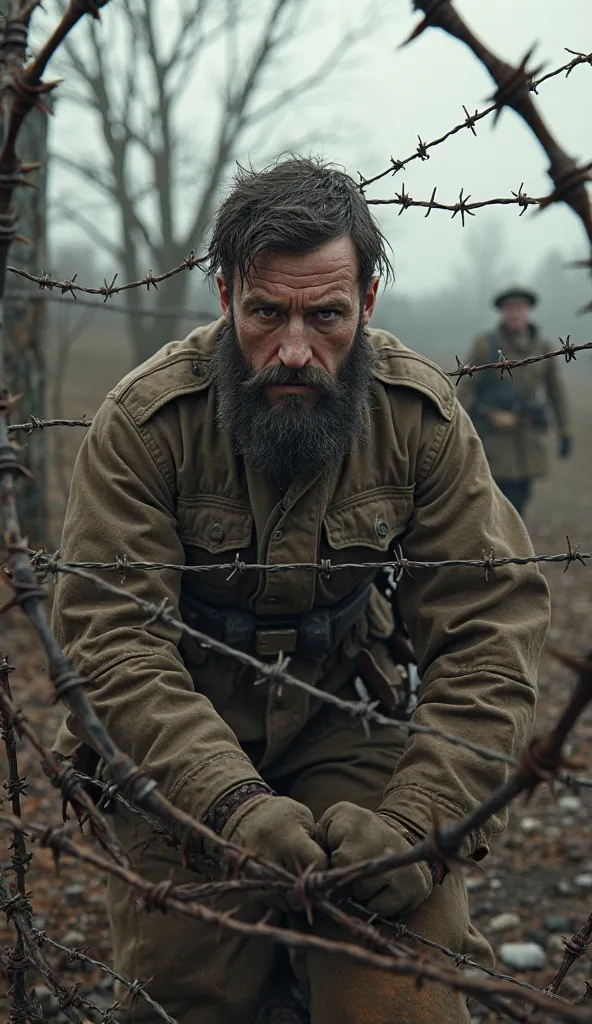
(293, 439)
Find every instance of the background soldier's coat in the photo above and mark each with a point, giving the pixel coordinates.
(521, 452)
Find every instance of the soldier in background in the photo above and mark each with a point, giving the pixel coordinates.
(513, 415)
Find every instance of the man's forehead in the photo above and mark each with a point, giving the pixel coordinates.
(331, 265)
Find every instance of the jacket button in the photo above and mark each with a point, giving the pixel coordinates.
(381, 527)
(196, 368)
(216, 532)
(278, 534)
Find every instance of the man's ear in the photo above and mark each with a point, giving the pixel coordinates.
(369, 300)
(225, 298)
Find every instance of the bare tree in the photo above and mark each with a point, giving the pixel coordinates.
(25, 321)
(158, 170)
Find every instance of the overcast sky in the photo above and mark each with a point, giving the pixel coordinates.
(391, 96)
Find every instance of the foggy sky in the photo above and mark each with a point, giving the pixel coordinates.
(381, 103)
(421, 89)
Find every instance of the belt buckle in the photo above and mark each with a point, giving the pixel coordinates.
(275, 641)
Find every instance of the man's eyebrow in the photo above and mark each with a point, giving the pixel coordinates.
(263, 300)
(328, 302)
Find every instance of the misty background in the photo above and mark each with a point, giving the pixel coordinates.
(161, 101)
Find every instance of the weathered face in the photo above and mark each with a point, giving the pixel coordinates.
(299, 310)
(293, 366)
(515, 314)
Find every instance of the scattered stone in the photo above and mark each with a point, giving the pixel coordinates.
(475, 883)
(523, 956)
(72, 939)
(583, 881)
(74, 892)
(569, 803)
(105, 985)
(503, 921)
(563, 887)
(536, 935)
(530, 824)
(495, 883)
(558, 923)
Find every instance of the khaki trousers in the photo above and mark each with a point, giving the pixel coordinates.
(204, 975)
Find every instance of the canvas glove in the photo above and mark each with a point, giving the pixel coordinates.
(279, 830)
(349, 833)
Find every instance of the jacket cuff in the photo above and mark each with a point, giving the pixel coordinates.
(222, 811)
(413, 807)
(202, 787)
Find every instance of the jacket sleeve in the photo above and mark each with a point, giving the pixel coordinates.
(121, 504)
(557, 394)
(477, 639)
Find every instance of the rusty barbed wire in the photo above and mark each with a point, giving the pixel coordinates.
(16, 960)
(45, 564)
(422, 151)
(544, 758)
(574, 949)
(462, 206)
(276, 674)
(18, 910)
(135, 988)
(512, 89)
(108, 289)
(164, 896)
(567, 350)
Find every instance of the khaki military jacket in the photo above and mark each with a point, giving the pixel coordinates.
(521, 452)
(157, 481)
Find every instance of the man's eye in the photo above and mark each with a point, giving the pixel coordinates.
(266, 312)
(327, 315)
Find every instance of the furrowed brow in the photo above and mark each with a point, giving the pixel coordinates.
(262, 300)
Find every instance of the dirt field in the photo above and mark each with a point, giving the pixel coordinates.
(540, 870)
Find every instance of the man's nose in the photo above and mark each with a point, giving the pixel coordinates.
(295, 350)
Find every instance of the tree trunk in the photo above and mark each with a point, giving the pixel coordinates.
(25, 330)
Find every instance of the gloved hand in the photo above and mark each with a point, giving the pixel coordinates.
(279, 830)
(350, 833)
(564, 447)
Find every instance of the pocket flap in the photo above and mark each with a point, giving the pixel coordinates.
(370, 520)
(214, 524)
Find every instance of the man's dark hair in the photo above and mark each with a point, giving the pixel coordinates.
(295, 205)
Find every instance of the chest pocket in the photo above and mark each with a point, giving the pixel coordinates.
(362, 529)
(213, 530)
(370, 520)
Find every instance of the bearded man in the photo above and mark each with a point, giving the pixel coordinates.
(289, 432)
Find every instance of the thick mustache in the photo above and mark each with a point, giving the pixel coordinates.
(307, 376)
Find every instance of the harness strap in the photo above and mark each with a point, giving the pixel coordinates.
(314, 634)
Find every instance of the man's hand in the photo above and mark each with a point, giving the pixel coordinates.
(503, 419)
(564, 447)
(279, 830)
(350, 833)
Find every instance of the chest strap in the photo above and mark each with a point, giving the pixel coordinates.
(314, 634)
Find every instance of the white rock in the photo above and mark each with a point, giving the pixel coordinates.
(530, 824)
(73, 938)
(569, 803)
(523, 956)
(503, 921)
(583, 881)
